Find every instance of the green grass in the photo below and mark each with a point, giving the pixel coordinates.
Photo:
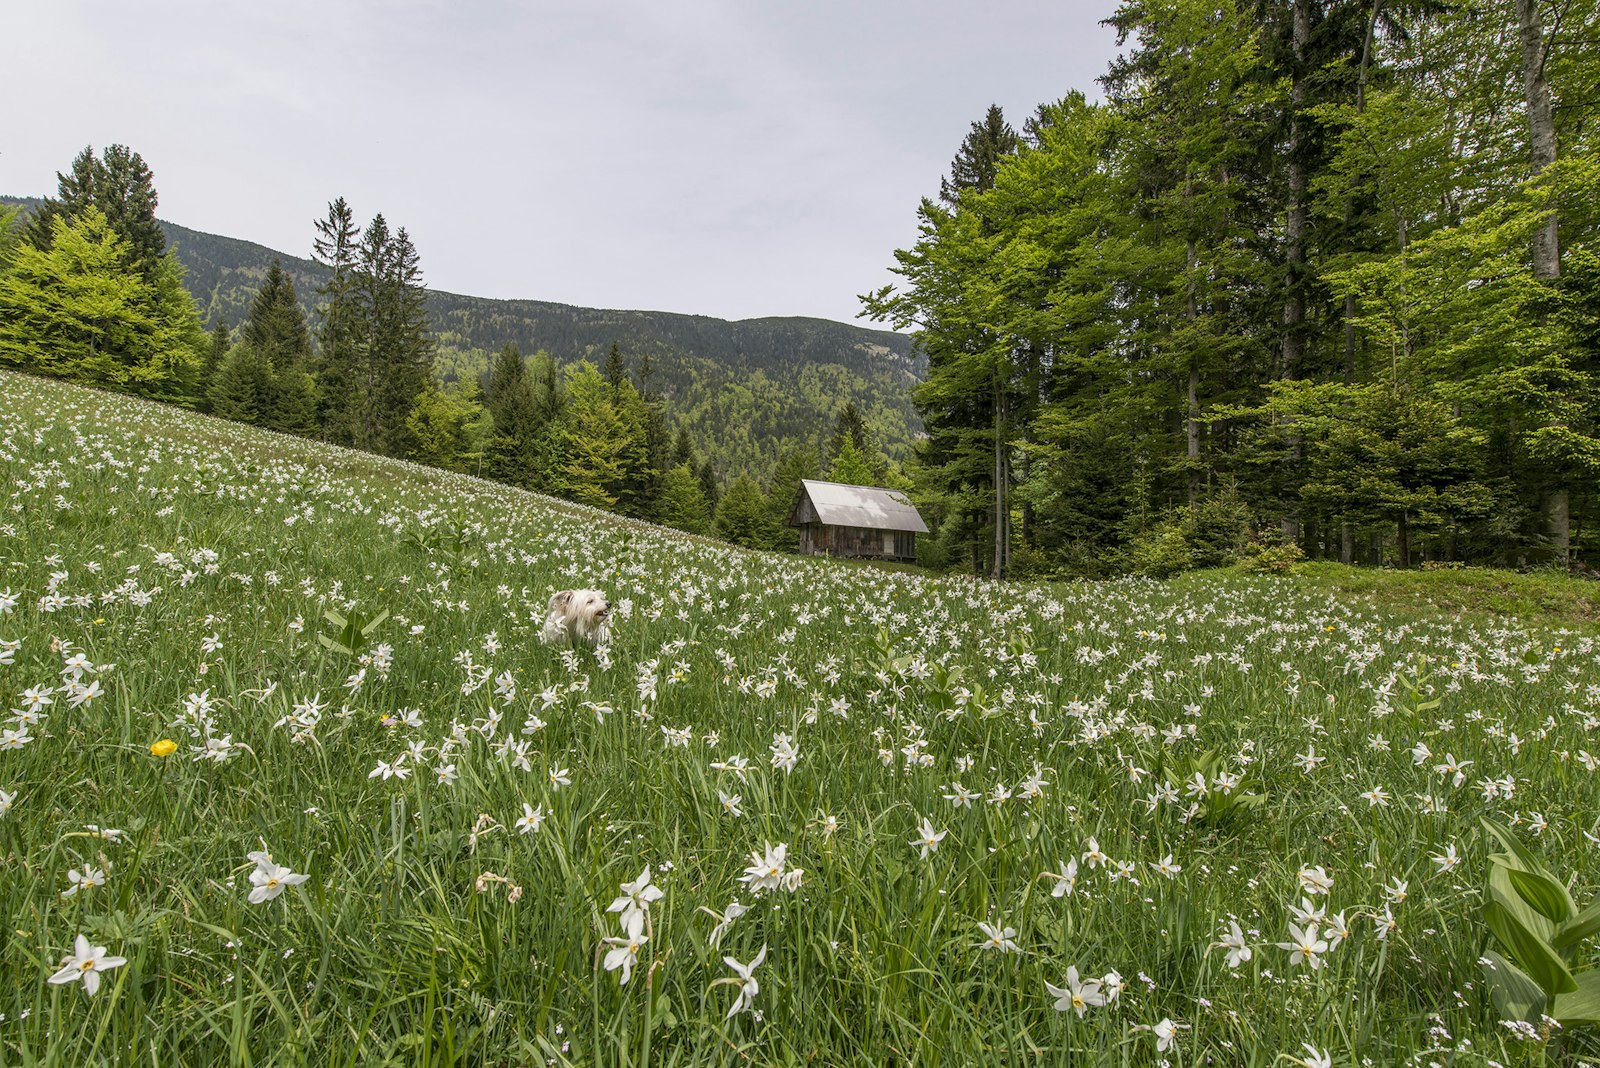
(184, 557)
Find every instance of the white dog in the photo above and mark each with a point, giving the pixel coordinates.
(579, 615)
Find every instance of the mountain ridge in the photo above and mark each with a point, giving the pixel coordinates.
(746, 389)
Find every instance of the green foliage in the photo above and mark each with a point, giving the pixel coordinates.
(447, 427)
(594, 440)
(1540, 930)
(242, 388)
(81, 310)
(744, 516)
(1288, 260)
(682, 503)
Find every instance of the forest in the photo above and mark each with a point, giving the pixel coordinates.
(1311, 278)
(1315, 277)
(91, 291)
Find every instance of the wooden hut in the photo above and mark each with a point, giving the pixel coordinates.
(861, 521)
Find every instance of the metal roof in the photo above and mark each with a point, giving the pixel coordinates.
(839, 505)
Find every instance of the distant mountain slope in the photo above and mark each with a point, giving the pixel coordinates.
(744, 389)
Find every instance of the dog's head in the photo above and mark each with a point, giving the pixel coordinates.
(585, 610)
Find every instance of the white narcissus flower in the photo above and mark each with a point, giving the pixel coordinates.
(269, 880)
(1304, 946)
(927, 838)
(769, 871)
(998, 938)
(1166, 1033)
(1079, 995)
(635, 899)
(86, 963)
(1066, 880)
(531, 818)
(748, 987)
(7, 799)
(1238, 950)
(626, 950)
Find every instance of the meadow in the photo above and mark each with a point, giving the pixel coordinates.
(282, 739)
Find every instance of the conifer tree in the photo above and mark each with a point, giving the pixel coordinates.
(119, 184)
(510, 453)
(616, 368)
(338, 355)
(743, 514)
(242, 389)
(683, 503)
(794, 466)
(593, 440)
(707, 474)
(220, 341)
(276, 332)
(80, 309)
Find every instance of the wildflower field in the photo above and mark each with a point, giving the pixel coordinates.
(287, 776)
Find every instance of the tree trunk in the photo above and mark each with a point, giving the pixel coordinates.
(1402, 548)
(1347, 544)
(1194, 386)
(1546, 240)
(1541, 128)
(1294, 231)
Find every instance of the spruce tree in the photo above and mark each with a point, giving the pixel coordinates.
(337, 365)
(616, 368)
(122, 187)
(592, 440)
(986, 143)
(509, 455)
(683, 503)
(242, 389)
(793, 466)
(743, 514)
(220, 341)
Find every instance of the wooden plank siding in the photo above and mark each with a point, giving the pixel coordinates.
(820, 539)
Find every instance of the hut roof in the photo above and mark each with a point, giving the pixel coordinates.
(839, 505)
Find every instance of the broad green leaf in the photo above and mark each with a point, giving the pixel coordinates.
(1581, 1006)
(1584, 925)
(1531, 864)
(1515, 996)
(1547, 896)
(1501, 890)
(1533, 953)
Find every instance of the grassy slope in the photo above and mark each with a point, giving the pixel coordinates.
(390, 950)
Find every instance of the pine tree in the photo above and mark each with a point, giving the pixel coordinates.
(510, 453)
(80, 309)
(221, 340)
(337, 365)
(683, 503)
(242, 389)
(743, 515)
(593, 440)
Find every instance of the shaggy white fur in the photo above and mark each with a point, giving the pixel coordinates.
(577, 615)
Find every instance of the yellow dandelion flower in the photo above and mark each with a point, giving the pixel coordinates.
(165, 747)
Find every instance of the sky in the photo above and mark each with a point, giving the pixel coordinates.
(732, 158)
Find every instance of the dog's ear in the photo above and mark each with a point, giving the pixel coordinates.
(560, 601)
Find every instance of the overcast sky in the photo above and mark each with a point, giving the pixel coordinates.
(726, 158)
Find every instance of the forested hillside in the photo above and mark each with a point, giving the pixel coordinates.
(1319, 272)
(744, 390)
